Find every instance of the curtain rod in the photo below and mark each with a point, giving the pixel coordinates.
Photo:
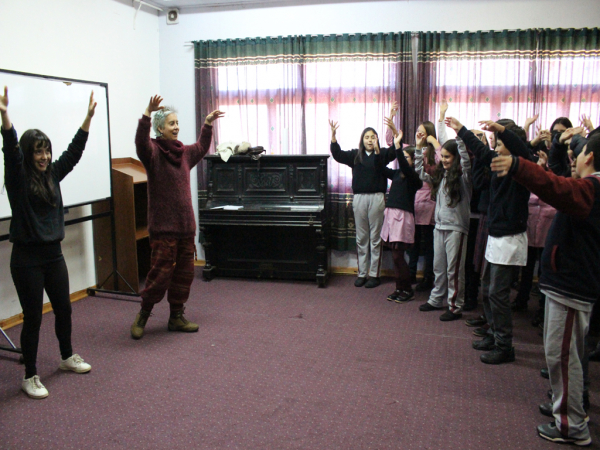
(148, 4)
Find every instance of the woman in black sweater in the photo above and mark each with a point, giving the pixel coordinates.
(36, 229)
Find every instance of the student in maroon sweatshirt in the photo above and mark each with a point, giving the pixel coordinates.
(569, 279)
(171, 222)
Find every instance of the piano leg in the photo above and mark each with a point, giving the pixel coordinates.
(208, 273)
(321, 278)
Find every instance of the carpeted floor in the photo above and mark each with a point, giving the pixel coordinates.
(279, 365)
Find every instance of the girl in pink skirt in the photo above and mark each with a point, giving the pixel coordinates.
(398, 229)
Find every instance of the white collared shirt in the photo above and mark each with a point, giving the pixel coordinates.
(507, 250)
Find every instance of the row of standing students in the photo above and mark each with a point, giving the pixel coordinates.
(509, 175)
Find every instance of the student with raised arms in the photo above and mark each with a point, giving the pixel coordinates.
(36, 230)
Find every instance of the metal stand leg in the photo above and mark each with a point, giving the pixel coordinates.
(13, 348)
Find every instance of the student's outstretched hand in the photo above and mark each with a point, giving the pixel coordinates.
(216, 114)
(4, 101)
(543, 159)
(587, 123)
(4, 110)
(529, 121)
(502, 164)
(398, 139)
(390, 124)
(421, 139)
(490, 125)
(154, 105)
(90, 113)
(376, 147)
(443, 109)
(92, 106)
(453, 123)
(393, 109)
(334, 126)
(569, 133)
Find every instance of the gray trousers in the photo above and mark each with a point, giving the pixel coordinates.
(495, 287)
(565, 329)
(368, 219)
(450, 250)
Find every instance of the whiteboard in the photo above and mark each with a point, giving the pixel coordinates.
(58, 106)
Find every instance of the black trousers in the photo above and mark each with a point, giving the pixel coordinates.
(30, 283)
(423, 235)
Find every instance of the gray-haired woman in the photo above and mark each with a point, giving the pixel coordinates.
(171, 220)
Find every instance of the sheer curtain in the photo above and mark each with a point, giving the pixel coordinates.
(281, 92)
(568, 75)
(482, 75)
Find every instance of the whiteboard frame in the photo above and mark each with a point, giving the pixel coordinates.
(94, 83)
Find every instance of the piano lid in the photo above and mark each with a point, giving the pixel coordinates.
(292, 182)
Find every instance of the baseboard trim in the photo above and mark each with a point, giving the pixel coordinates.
(18, 319)
(334, 270)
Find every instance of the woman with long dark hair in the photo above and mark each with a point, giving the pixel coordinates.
(369, 185)
(451, 189)
(36, 230)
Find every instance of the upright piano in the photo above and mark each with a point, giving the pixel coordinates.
(266, 218)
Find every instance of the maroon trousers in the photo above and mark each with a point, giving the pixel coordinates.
(172, 269)
(401, 269)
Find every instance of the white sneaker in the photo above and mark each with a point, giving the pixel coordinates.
(34, 387)
(75, 363)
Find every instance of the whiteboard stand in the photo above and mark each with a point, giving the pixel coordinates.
(13, 348)
(115, 272)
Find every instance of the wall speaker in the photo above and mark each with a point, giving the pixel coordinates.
(172, 16)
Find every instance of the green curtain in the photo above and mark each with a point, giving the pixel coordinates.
(482, 75)
(280, 92)
(568, 74)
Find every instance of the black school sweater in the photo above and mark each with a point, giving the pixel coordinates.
(405, 183)
(366, 178)
(34, 221)
(509, 201)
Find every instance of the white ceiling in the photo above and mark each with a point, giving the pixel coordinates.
(188, 4)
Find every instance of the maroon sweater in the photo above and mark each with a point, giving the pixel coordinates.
(168, 164)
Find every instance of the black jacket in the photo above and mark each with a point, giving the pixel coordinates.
(508, 209)
(405, 183)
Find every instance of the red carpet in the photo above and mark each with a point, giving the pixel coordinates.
(279, 365)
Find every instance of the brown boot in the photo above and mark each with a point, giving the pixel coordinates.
(137, 329)
(179, 323)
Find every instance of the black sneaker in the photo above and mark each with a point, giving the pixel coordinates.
(405, 296)
(394, 296)
(538, 318)
(360, 281)
(477, 322)
(518, 306)
(546, 410)
(449, 316)
(544, 373)
(481, 331)
(498, 356)
(470, 305)
(427, 307)
(372, 282)
(550, 432)
(426, 284)
(486, 344)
